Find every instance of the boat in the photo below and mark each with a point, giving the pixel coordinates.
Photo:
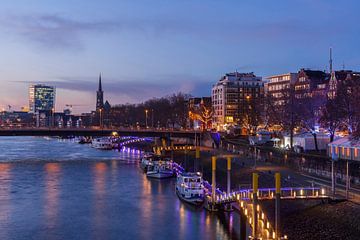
(147, 160)
(102, 143)
(190, 188)
(84, 140)
(159, 169)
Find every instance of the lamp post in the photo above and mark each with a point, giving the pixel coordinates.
(152, 118)
(146, 118)
(101, 125)
(53, 118)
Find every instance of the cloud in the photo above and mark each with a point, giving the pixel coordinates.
(134, 89)
(59, 31)
(55, 31)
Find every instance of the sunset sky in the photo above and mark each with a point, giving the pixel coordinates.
(152, 48)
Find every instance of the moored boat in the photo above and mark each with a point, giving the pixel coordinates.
(147, 160)
(190, 188)
(102, 143)
(160, 169)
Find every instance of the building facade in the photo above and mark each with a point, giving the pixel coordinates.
(41, 98)
(230, 95)
(278, 84)
(310, 83)
(338, 77)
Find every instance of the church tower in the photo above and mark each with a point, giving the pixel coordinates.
(99, 96)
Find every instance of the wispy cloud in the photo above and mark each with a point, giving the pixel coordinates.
(55, 31)
(135, 89)
(60, 31)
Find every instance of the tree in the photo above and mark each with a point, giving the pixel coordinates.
(253, 115)
(160, 111)
(283, 111)
(348, 95)
(331, 117)
(309, 111)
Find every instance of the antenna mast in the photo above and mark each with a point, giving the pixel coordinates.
(331, 61)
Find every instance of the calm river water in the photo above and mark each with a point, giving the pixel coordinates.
(52, 189)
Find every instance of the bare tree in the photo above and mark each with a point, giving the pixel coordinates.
(331, 117)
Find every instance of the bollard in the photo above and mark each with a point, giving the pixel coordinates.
(228, 206)
(197, 158)
(333, 184)
(228, 174)
(242, 226)
(213, 181)
(277, 203)
(255, 178)
(347, 179)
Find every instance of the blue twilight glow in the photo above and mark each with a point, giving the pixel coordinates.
(153, 48)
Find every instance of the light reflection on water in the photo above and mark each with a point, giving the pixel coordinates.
(52, 178)
(96, 196)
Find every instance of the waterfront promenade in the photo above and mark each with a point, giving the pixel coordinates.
(311, 212)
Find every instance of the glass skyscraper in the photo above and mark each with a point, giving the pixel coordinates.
(41, 98)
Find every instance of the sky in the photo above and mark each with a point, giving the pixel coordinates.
(153, 48)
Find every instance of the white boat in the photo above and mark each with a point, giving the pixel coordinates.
(102, 143)
(190, 188)
(146, 160)
(159, 169)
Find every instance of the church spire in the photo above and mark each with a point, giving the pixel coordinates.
(100, 86)
(99, 96)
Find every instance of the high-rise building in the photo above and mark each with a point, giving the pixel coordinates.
(230, 97)
(99, 96)
(41, 98)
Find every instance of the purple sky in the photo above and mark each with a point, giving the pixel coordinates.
(152, 48)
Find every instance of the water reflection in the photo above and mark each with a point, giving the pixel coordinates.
(94, 196)
(52, 181)
(99, 218)
(5, 199)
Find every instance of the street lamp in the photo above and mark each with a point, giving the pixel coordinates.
(146, 117)
(100, 117)
(53, 118)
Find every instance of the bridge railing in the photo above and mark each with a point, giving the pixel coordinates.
(269, 193)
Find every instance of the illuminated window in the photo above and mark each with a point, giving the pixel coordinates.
(348, 152)
(229, 119)
(356, 152)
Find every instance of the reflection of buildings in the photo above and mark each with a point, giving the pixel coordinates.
(230, 95)
(52, 187)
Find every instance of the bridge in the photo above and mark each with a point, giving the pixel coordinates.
(67, 132)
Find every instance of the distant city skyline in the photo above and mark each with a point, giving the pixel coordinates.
(148, 49)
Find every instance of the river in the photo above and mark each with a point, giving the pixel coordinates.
(58, 189)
